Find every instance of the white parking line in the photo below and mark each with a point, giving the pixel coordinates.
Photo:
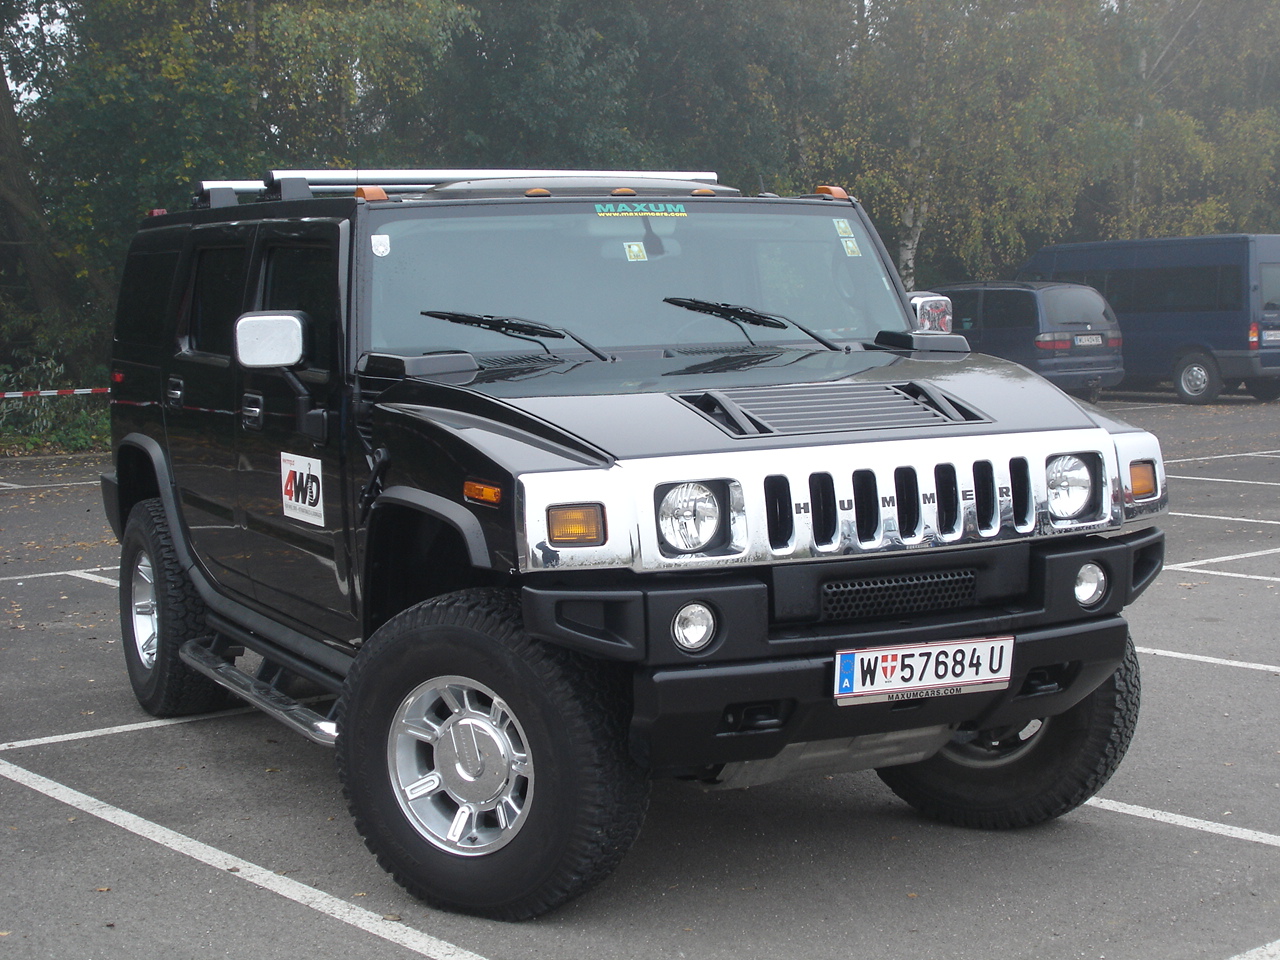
(122, 728)
(392, 931)
(94, 578)
(1214, 661)
(48, 486)
(1210, 516)
(1256, 483)
(1234, 556)
(61, 573)
(1225, 456)
(1177, 820)
(1269, 952)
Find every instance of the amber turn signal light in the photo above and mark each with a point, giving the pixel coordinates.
(1142, 479)
(576, 525)
(478, 492)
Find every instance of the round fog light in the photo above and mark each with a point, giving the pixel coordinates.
(1091, 584)
(694, 627)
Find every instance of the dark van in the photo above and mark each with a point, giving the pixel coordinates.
(1200, 311)
(1065, 332)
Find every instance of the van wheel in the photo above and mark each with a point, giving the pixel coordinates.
(1024, 775)
(1265, 389)
(487, 772)
(159, 612)
(1196, 378)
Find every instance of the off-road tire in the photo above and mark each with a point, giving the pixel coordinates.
(1196, 378)
(1019, 784)
(583, 801)
(162, 682)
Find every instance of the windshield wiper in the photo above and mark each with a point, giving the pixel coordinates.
(735, 314)
(516, 327)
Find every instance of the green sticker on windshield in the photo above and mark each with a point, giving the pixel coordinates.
(640, 209)
(843, 228)
(635, 251)
(851, 247)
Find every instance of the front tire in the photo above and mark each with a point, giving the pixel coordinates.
(1196, 378)
(160, 610)
(1020, 777)
(486, 771)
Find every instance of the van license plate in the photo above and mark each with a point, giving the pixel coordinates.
(1270, 335)
(917, 671)
(1089, 340)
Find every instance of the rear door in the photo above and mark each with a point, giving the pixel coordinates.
(200, 399)
(291, 485)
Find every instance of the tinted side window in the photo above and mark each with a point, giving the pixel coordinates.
(1176, 289)
(216, 298)
(1270, 285)
(144, 295)
(1005, 309)
(304, 278)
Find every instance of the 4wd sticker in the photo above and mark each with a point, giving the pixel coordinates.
(300, 489)
(639, 209)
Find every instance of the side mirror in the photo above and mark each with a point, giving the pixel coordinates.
(933, 312)
(268, 339)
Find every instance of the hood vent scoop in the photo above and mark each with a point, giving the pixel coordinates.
(828, 408)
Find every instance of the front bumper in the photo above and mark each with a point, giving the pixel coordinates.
(767, 679)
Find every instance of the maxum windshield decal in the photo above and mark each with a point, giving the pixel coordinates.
(640, 209)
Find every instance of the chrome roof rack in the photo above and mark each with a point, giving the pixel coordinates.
(300, 184)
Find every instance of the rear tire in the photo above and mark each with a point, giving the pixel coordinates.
(486, 771)
(1265, 389)
(1196, 378)
(160, 610)
(1020, 777)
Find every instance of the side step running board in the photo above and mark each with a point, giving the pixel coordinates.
(261, 695)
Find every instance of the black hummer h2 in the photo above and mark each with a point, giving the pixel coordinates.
(562, 480)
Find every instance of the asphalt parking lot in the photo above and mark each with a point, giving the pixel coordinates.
(226, 835)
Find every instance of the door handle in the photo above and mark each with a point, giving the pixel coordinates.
(252, 406)
(173, 391)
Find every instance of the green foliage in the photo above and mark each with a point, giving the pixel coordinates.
(72, 424)
(973, 130)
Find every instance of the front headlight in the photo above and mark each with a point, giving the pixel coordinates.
(689, 517)
(1070, 486)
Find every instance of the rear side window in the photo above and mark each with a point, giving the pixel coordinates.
(144, 295)
(1074, 305)
(1270, 285)
(217, 293)
(1176, 289)
(1007, 309)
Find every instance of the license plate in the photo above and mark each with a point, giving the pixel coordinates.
(1269, 335)
(1088, 340)
(917, 671)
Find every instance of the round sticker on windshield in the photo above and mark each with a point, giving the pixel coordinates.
(381, 244)
(635, 251)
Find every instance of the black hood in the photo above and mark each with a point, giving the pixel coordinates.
(683, 405)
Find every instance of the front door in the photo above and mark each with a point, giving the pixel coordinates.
(291, 485)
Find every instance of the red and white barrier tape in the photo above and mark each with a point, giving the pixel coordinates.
(15, 394)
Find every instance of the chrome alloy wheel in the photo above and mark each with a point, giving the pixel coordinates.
(996, 748)
(146, 618)
(460, 766)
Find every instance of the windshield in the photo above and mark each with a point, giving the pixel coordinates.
(603, 270)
